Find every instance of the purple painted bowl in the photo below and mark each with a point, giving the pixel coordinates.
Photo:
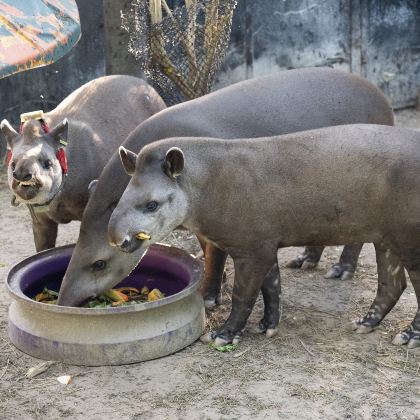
(107, 336)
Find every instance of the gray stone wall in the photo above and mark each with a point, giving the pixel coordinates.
(378, 39)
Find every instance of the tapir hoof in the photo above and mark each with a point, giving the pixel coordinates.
(309, 265)
(302, 261)
(347, 275)
(220, 341)
(360, 326)
(269, 332)
(222, 337)
(295, 263)
(409, 336)
(269, 328)
(212, 302)
(207, 337)
(211, 337)
(337, 271)
(257, 329)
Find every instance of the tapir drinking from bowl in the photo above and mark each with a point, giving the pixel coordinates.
(249, 197)
(54, 156)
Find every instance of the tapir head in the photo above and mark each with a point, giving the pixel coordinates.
(34, 171)
(154, 202)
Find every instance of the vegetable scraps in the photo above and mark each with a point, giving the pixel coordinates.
(121, 296)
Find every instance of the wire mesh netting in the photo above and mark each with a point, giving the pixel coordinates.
(180, 49)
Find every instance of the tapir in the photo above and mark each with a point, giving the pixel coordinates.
(53, 159)
(252, 196)
(289, 101)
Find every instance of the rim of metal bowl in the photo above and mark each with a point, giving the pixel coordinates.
(194, 267)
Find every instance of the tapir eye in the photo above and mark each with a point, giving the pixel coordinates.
(99, 265)
(151, 206)
(47, 164)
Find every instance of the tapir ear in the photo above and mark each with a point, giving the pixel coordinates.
(128, 160)
(92, 186)
(60, 131)
(9, 132)
(174, 162)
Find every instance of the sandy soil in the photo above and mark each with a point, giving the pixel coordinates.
(315, 368)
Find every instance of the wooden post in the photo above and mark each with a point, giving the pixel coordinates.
(118, 59)
(356, 37)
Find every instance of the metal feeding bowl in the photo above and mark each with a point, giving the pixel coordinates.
(107, 336)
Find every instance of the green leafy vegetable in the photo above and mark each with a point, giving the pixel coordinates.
(224, 349)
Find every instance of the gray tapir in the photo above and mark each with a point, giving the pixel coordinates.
(249, 197)
(94, 120)
(287, 102)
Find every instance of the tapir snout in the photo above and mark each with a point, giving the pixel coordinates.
(121, 236)
(126, 244)
(22, 175)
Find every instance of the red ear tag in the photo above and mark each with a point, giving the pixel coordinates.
(45, 126)
(61, 156)
(9, 156)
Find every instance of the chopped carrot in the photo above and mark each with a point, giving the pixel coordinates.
(116, 296)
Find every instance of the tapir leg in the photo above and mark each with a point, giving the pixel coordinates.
(271, 290)
(250, 273)
(411, 335)
(214, 265)
(211, 288)
(343, 269)
(391, 284)
(45, 231)
(309, 259)
(347, 265)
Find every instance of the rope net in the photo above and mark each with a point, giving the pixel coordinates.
(180, 49)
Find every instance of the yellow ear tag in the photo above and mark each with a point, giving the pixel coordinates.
(142, 236)
(34, 115)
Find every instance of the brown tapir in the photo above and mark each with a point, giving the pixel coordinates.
(94, 120)
(286, 102)
(249, 197)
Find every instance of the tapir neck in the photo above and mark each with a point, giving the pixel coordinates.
(216, 175)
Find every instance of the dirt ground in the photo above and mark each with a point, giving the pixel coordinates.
(316, 367)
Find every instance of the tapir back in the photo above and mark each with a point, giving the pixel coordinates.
(283, 103)
(363, 186)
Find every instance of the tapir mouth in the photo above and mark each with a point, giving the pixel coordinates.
(26, 190)
(132, 246)
(27, 184)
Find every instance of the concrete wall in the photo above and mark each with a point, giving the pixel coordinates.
(390, 48)
(378, 39)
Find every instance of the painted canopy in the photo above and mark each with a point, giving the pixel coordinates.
(34, 33)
